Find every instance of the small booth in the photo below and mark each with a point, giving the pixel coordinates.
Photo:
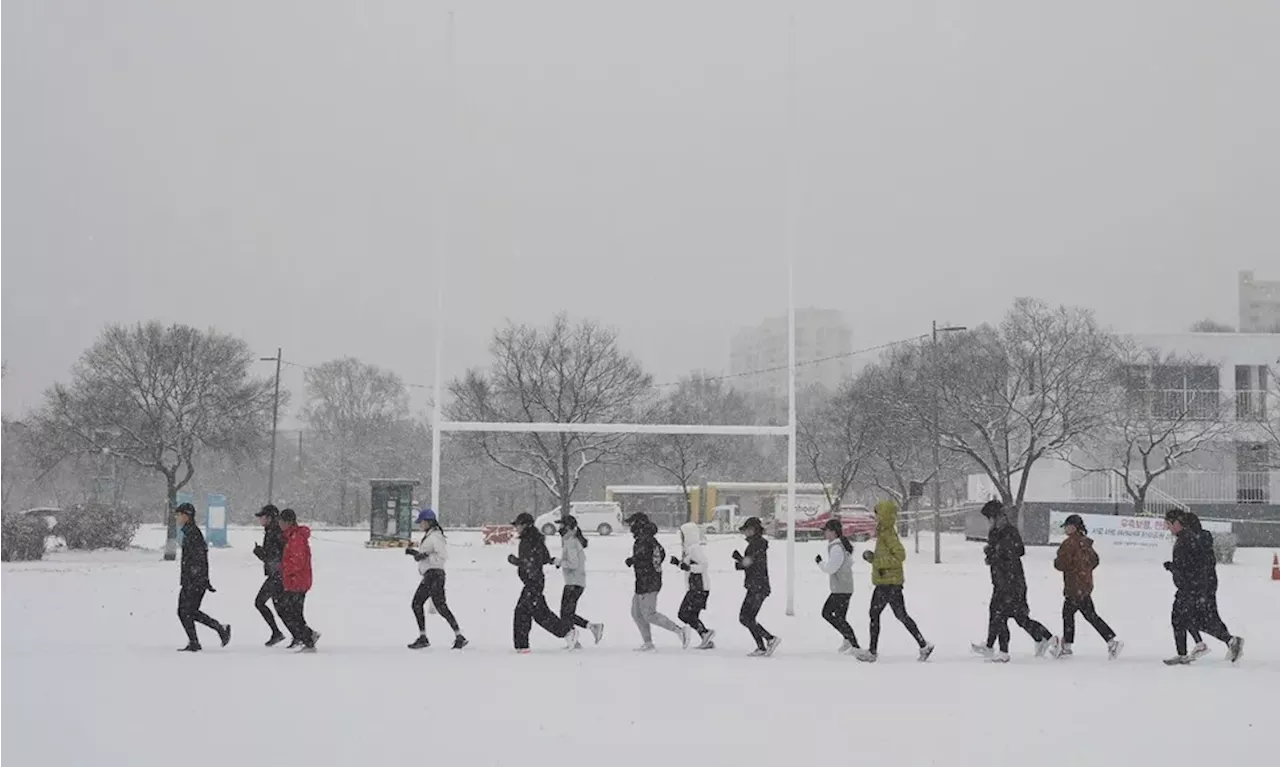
(391, 512)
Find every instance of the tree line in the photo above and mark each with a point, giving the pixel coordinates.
(150, 411)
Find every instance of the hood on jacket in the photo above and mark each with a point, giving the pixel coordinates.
(299, 530)
(886, 515)
(690, 535)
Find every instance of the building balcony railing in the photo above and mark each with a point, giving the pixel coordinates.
(1182, 404)
(1251, 405)
(1191, 487)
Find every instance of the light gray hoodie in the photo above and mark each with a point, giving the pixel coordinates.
(694, 555)
(572, 561)
(839, 567)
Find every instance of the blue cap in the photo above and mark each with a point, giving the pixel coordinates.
(426, 514)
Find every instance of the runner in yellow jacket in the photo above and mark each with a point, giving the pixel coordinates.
(887, 577)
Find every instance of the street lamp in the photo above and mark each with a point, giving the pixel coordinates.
(275, 415)
(937, 444)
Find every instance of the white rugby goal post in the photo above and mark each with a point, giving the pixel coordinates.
(440, 427)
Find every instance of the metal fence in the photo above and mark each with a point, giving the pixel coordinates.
(1183, 486)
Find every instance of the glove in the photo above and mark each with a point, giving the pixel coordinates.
(511, 558)
(257, 550)
(737, 556)
(555, 562)
(675, 561)
(412, 552)
(868, 555)
(630, 561)
(1168, 566)
(818, 559)
(684, 566)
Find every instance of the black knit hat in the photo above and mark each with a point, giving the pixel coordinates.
(290, 516)
(992, 509)
(268, 511)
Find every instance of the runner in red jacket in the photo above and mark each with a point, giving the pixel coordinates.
(296, 572)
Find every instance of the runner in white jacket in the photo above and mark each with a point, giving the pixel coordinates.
(431, 555)
(698, 578)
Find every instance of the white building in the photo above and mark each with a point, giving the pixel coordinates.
(1259, 305)
(820, 334)
(1241, 466)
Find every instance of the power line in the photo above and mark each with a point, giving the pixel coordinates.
(727, 376)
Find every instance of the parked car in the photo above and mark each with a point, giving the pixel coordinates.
(604, 517)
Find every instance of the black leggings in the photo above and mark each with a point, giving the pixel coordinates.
(270, 591)
(751, 605)
(891, 597)
(1193, 613)
(189, 613)
(1012, 606)
(569, 606)
(691, 608)
(835, 611)
(1084, 606)
(432, 587)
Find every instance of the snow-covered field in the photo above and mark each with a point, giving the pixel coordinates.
(91, 676)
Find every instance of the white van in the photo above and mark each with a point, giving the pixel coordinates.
(603, 517)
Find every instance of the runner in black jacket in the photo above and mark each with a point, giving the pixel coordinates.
(1194, 568)
(271, 552)
(193, 581)
(1004, 551)
(532, 606)
(647, 558)
(754, 564)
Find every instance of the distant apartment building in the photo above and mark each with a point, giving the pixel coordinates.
(1259, 305)
(821, 334)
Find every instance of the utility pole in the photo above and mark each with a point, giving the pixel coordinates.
(937, 444)
(275, 422)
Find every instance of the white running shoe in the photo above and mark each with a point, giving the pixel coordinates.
(1201, 649)
(686, 636)
(925, 652)
(845, 647)
(981, 649)
(571, 638)
(707, 643)
(646, 647)
(1049, 645)
(597, 631)
(1113, 649)
(998, 657)
(771, 646)
(756, 653)
(1179, 660)
(1235, 648)
(866, 656)
(1064, 651)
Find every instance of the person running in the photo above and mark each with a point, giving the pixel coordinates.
(271, 552)
(529, 560)
(839, 569)
(754, 564)
(572, 564)
(647, 558)
(1077, 560)
(431, 555)
(1004, 551)
(693, 561)
(193, 581)
(888, 576)
(296, 576)
(1195, 603)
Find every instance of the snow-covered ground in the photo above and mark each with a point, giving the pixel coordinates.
(91, 676)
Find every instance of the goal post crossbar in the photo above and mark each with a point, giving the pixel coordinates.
(526, 427)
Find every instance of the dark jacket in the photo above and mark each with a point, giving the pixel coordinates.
(756, 573)
(531, 557)
(1076, 560)
(195, 559)
(1004, 556)
(1194, 567)
(647, 556)
(271, 552)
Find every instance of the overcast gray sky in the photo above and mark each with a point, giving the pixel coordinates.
(269, 167)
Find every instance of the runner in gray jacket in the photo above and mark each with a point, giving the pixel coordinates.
(839, 569)
(572, 563)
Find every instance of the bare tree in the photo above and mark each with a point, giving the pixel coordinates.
(157, 396)
(563, 373)
(352, 408)
(1145, 431)
(900, 441)
(1011, 395)
(687, 457)
(834, 435)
